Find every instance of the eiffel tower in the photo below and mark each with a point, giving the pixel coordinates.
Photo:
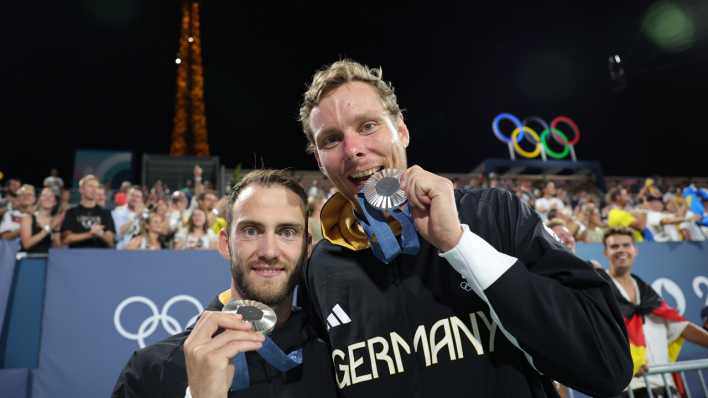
(189, 133)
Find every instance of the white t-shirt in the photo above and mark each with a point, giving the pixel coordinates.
(190, 241)
(658, 332)
(544, 205)
(122, 215)
(697, 232)
(11, 221)
(662, 233)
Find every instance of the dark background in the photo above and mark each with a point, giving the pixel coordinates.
(95, 74)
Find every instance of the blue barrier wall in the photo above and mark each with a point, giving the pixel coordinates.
(8, 249)
(24, 317)
(98, 306)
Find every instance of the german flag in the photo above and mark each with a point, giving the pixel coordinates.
(650, 304)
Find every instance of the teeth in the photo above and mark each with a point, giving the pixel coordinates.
(365, 173)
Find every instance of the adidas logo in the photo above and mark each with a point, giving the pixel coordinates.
(337, 317)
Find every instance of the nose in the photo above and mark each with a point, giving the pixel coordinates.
(353, 145)
(268, 248)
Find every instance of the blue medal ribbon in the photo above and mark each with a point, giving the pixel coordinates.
(272, 354)
(384, 243)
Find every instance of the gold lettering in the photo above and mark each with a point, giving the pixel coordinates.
(344, 382)
(383, 356)
(492, 326)
(355, 363)
(446, 340)
(397, 341)
(421, 337)
(458, 325)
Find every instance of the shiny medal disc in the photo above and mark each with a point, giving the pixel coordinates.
(383, 190)
(261, 316)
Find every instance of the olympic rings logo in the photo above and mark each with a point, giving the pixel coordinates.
(150, 324)
(523, 130)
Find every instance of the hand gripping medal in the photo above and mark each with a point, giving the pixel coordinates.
(263, 319)
(261, 316)
(382, 195)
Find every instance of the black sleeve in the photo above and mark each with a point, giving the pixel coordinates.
(69, 223)
(558, 308)
(130, 382)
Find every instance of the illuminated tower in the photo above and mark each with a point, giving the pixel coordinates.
(189, 133)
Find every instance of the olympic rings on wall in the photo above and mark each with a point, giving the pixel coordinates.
(157, 317)
(522, 130)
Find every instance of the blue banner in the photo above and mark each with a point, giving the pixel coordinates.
(14, 382)
(25, 314)
(8, 250)
(101, 305)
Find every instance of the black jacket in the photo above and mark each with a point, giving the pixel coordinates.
(159, 369)
(414, 327)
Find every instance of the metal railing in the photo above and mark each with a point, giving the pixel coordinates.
(667, 369)
(677, 367)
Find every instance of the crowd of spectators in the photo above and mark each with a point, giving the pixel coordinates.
(135, 217)
(655, 209)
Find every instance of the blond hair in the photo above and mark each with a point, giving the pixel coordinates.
(556, 222)
(87, 178)
(26, 188)
(335, 75)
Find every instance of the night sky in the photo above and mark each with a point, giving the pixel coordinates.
(95, 74)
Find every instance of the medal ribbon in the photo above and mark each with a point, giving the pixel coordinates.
(384, 244)
(272, 354)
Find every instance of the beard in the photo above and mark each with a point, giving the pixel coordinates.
(271, 294)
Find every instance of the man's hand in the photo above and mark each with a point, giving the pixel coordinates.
(210, 370)
(432, 201)
(640, 372)
(97, 230)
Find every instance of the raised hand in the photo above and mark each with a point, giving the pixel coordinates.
(432, 201)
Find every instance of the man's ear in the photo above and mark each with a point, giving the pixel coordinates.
(223, 244)
(403, 133)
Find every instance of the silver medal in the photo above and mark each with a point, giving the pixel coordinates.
(383, 190)
(261, 316)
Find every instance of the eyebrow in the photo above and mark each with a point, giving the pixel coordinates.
(295, 226)
(253, 223)
(326, 132)
(358, 119)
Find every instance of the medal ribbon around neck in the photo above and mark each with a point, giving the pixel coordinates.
(382, 193)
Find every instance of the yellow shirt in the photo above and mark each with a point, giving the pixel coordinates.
(218, 225)
(622, 218)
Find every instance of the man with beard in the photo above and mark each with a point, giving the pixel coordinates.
(490, 305)
(654, 328)
(265, 242)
